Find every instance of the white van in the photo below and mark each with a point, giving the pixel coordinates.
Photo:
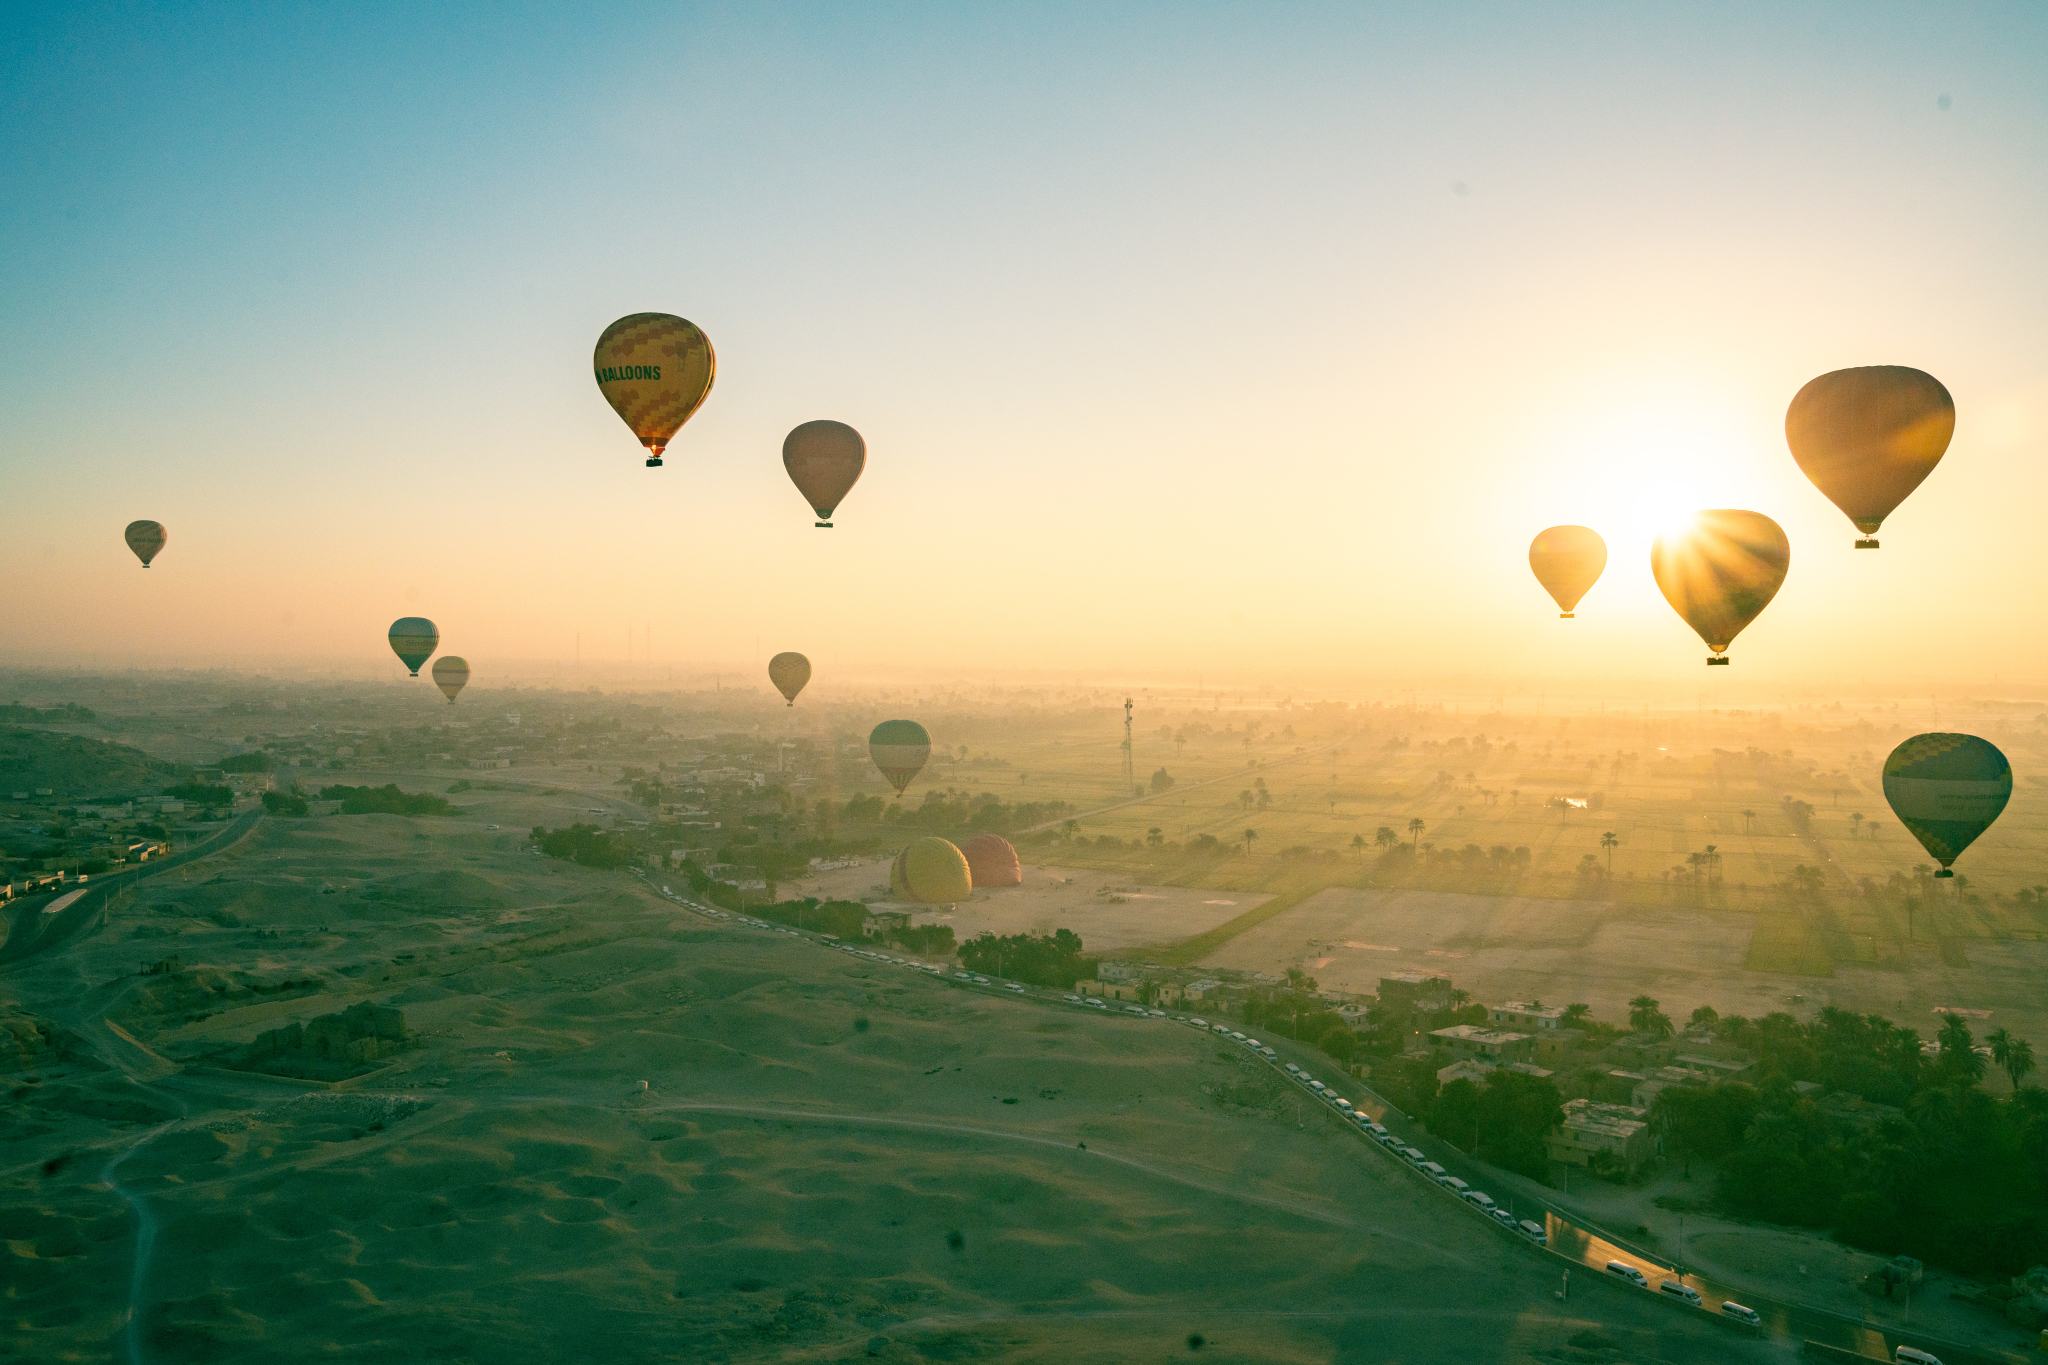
(1218, 1028)
(1453, 1184)
(1293, 1070)
(1732, 1309)
(1343, 1104)
(1317, 1086)
(1624, 1271)
(1680, 1291)
(1534, 1232)
(1199, 1023)
(1479, 1199)
(1414, 1155)
(1913, 1355)
(1433, 1171)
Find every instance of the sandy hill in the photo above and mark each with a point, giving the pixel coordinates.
(74, 766)
(831, 1160)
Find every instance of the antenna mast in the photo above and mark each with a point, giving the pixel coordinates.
(1130, 771)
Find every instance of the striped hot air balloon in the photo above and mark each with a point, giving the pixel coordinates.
(1947, 789)
(930, 870)
(899, 748)
(451, 675)
(414, 640)
(992, 861)
(655, 369)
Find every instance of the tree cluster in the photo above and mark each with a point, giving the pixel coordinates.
(1052, 960)
(384, 800)
(585, 844)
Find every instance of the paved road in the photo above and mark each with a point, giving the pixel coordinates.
(40, 924)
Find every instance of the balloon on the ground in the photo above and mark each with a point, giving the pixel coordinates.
(930, 870)
(992, 861)
(451, 675)
(824, 460)
(789, 671)
(1567, 560)
(414, 640)
(146, 538)
(1868, 436)
(1947, 789)
(899, 748)
(655, 369)
(1720, 572)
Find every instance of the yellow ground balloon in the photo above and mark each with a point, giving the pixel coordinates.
(931, 870)
(655, 369)
(824, 460)
(789, 671)
(1567, 560)
(1868, 436)
(1719, 573)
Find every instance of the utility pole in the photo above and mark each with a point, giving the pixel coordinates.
(1130, 768)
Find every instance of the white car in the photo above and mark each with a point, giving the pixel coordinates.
(963, 976)
(1073, 999)
(1156, 1014)
(1677, 1290)
(1198, 1023)
(1013, 986)
(981, 981)
(1622, 1270)
(1133, 1009)
(1747, 1316)
(1098, 1004)
(1504, 1218)
(1535, 1233)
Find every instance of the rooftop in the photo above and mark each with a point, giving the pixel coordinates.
(1475, 1033)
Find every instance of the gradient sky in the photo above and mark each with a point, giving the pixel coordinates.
(1185, 338)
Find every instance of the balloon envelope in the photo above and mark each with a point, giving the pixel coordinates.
(414, 640)
(1868, 436)
(992, 861)
(655, 369)
(146, 538)
(1567, 560)
(451, 674)
(1947, 789)
(930, 870)
(789, 671)
(1721, 571)
(899, 748)
(824, 460)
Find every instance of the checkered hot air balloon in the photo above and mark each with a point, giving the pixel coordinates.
(655, 369)
(1947, 789)
(789, 671)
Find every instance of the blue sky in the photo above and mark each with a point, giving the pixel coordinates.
(1182, 336)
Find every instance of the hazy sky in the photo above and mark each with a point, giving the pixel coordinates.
(1221, 338)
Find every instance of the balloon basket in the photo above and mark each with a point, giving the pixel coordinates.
(1867, 543)
(826, 524)
(1717, 661)
(1566, 616)
(654, 462)
(1943, 873)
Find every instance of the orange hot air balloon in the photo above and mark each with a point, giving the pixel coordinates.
(655, 369)
(1721, 572)
(1567, 560)
(789, 671)
(992, 861)
(824, 460)
(146, 538)
(1867, 437)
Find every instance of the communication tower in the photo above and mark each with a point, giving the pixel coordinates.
(1130, 762)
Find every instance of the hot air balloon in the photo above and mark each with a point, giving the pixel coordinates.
(1868, 436)
(930, 870)
(414, 640)
(824, 460)
(1947, 789)
(1720, 572)
(992, 861)
(899, 748)
(789, 671)
(451, 675)
(655, 369)
(1567, 560)
(146, 538)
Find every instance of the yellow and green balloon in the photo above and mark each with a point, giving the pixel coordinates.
(414, 640)
(899, 748)
(655, 369)
(1947, 789)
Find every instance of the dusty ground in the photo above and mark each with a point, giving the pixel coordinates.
(1109, 911)
(832, 1160)
(1560, 951)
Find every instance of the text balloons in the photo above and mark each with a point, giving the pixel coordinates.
(824, 460)
(1868, 436)
(146, 538)
(1567, 560)
(930, 870)
(1720, 572)
(992, 861)
(451, 675)
(899, 748)
(1947, 789)
(655, 369)
(414, 640)
(789, 671)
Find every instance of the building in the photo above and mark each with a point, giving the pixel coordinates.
(1663, 1078)
(1471, 1042)
(1530, 1018)
(1555, 1044)
(1475, 1072)
(1589, 1129)
(1720, 1068)
(1415, 992)
(876, 921)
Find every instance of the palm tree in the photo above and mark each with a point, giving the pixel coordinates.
(1645, 1017)
(1576, 1014)
(1358, 845)
(1747, 816)
(1415, 828)
(1959, 1056)
(1385, 836)
(1855, 823)
(1610, 841)
(1249, 835)
(2015, 1056)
